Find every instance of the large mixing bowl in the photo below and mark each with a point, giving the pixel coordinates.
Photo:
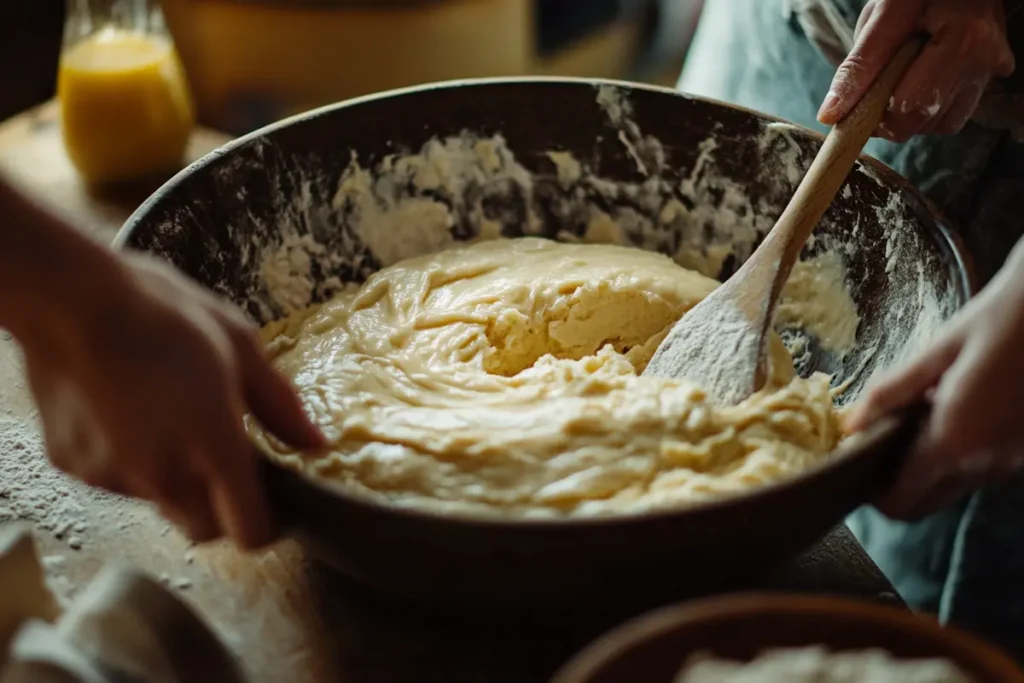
(263, 223)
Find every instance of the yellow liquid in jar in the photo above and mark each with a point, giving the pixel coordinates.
(126, 112)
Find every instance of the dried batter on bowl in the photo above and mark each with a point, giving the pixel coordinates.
(502, 377)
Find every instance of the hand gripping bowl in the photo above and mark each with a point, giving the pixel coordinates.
(262, 222)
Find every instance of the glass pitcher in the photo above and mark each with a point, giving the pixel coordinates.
(126, 112)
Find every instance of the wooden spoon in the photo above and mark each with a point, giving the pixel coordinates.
(720, 343)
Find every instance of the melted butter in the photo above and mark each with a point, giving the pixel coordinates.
(502, 377)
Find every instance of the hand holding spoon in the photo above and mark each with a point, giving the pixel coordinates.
(720, 344)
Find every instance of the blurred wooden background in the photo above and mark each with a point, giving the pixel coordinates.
(30, 38)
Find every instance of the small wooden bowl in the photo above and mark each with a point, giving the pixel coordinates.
(653, 648)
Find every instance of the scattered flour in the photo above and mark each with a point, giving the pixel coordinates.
(932, 109)
(180, 583)
(907, 261)
(646, 151)
(729, 327)
(789, 155)
(868, 171)
(54, 562)
(32, 490)
(896, 242)
(62, 511)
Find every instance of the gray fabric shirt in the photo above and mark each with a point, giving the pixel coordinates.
(965, 564)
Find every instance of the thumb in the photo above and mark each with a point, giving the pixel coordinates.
(273, 400)
(882, 30)
(901, 387)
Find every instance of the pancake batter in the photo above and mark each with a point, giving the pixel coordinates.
(503, 377)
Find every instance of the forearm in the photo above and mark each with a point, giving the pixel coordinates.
(47, 268)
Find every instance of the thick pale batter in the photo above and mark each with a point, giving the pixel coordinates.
(503, 377)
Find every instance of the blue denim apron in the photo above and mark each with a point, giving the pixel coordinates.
(964, 564)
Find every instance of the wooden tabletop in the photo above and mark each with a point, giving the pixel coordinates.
(288, 618)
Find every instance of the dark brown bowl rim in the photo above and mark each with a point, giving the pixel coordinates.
(593, 657)
(951, 242)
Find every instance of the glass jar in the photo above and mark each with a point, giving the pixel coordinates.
(126, 112)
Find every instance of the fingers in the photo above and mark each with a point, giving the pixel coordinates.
(904, 386)
(939, 93)
(272, 399)
(982, 36)
(865, 17)
(925, 486)
(881, 32)
(237, 499)
(957, 114)
(227, 460)
(213, 495)
(170, 481)
(972, 437)
(947, 80)
(104, 479)
(188, 505)
(172, 430)
(270, 396)
(928, 479)
(923, 95)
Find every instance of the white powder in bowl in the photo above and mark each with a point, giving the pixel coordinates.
(816, 664)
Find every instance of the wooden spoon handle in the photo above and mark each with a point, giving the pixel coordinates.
(834, 161)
